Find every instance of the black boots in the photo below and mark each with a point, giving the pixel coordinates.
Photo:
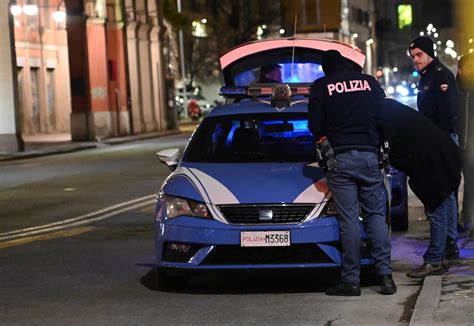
(344, 289)
(451, 250)
(387, 285)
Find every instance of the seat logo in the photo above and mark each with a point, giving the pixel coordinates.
(265, 214)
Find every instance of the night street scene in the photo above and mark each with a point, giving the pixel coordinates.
(237, 162)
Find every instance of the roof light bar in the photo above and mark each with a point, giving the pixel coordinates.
(262, 91)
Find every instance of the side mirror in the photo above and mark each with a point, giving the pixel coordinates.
(169, 157)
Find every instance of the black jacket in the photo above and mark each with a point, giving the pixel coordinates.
(343, 106)
(437, 96)
(423, 151)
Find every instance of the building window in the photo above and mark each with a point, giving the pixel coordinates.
(311, 12)
(46, 19)
(19, 74)
(35, 105)
(360, 16)
(50, 83)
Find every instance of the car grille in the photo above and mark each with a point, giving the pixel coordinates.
(295, 254)
(250, 214)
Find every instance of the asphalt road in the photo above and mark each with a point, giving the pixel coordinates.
(94, 268)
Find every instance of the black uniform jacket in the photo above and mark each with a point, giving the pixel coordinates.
(343, 106)
(423, 151)
(437, 96)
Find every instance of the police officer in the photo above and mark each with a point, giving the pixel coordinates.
(270, 74)
(343, 108)
(437, 100)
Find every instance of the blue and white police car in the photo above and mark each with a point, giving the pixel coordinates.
(246, 192)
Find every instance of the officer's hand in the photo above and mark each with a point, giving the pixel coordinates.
(331, 165)
(319, 157)
(329, 162)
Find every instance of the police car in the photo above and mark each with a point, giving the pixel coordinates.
(246, 192)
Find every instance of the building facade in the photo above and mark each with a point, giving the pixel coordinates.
(98, 73)
(42, 66)
(349, 21)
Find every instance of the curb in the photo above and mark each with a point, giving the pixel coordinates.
(427, 301)
(37, 153)
(62, 148)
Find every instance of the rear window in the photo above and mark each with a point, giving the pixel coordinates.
(252, 138)
(291, 73)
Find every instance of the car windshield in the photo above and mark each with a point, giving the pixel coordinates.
(282, 137)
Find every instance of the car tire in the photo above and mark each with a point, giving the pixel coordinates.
(400, 222)
(172, 280)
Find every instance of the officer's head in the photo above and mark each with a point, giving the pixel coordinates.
(271, 74)
(333, 61)
(421, 52)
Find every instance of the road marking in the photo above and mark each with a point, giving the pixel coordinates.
(53, 235)
(148, 210)
(81, 220)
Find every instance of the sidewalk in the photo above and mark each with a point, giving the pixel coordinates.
(446, 299)
(50, 144)
(449, 299)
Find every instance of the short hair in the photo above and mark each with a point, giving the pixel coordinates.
(269, 68)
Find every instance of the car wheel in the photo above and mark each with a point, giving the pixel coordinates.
(172, 280)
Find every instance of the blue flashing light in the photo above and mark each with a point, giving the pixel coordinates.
(294, 79)
(415, 74)
(300, 125)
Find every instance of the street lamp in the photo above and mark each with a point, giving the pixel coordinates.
(59, 16)
(353, 37)
(30, 8)
(16, 10)
(368, 53)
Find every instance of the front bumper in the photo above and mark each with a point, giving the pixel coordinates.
(194, 243)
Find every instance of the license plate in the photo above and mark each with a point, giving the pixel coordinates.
(265, 239)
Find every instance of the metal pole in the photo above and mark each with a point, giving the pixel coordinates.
(117, 109)
(20, 144)
(183, 70)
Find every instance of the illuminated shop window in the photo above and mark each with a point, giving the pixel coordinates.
(405, 16)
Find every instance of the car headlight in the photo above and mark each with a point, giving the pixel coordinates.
(329, 209)
(177, 206)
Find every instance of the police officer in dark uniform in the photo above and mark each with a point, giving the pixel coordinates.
(343, 109)
(437, 100)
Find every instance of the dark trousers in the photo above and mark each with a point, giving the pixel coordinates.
(357, 184)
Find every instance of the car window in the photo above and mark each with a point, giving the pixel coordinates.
(291, 73)
(252, 138)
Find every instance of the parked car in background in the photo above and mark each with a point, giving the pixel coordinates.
(197, 105)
